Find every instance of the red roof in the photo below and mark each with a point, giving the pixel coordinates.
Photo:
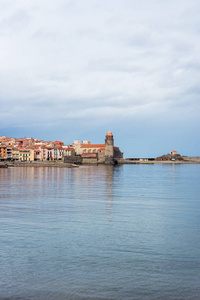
(58, 142)
(93, 146)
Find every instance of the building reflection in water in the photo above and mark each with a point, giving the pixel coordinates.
(109, 175)
(95, 186)
(82, 190)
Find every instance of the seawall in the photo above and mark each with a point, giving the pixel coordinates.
(38, 164)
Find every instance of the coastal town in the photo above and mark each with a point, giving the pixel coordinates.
(34, 150)
(30, 151)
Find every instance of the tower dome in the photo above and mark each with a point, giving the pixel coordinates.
(109, 133)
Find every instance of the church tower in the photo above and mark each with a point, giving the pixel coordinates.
(109, 149)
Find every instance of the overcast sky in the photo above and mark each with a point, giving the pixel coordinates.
(74, 69)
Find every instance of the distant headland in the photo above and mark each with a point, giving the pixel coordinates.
(34, 152)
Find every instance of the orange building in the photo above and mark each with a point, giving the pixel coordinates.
(3, 152)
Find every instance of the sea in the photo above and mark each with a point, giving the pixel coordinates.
(100, 232)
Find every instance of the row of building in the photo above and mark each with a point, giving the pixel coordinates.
(29, 149)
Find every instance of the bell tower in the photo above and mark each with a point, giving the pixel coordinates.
(109, 149)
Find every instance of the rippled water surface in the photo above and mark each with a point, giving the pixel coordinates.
(100, 232)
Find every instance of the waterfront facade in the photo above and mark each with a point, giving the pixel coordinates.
(26, 154)
(89, 153)
(3, 152)
(15, 154)
(69, 151)
(29, 149)
(79, 146)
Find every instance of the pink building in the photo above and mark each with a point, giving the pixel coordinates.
(22, 142)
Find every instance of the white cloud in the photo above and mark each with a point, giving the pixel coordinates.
(77, 59)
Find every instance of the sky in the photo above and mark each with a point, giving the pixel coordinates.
(74, 69)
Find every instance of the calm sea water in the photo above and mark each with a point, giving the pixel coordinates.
(100, 232)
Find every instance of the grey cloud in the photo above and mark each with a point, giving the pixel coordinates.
(114, 65)
(192, 65)
(58, 77)
(193, 91)
(85, 59)
(17, 22)
(42, 34)
(140, 40)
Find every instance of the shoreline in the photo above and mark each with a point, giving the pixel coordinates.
(38, 164)
(71, 165)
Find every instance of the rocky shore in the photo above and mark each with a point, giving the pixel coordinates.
(161, 162)
(165, 159)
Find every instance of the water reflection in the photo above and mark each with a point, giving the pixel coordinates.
(109, 188)
(95, 183)
(57, 238)
(43, 188)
